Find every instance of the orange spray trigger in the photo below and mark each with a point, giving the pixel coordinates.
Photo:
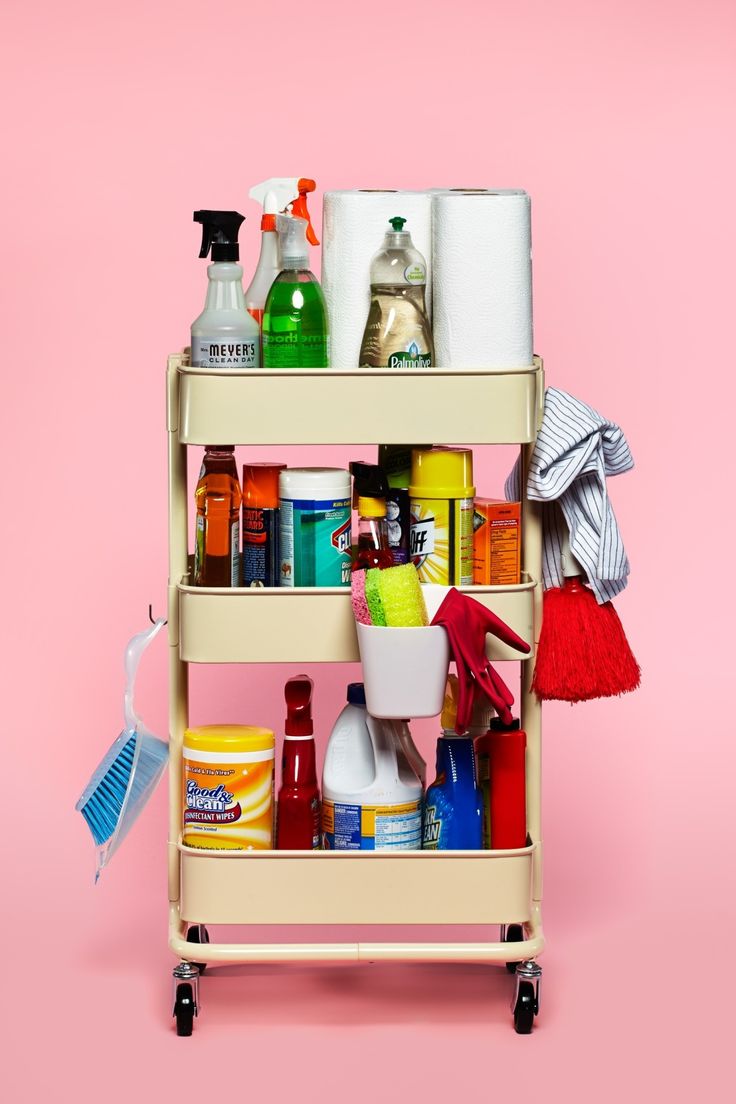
(299, 208)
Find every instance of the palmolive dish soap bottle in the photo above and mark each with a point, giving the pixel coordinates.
(295, 332)
(224, 335)
(397, 333)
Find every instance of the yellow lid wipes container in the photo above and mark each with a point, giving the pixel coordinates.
(442, 493)
(228, 787)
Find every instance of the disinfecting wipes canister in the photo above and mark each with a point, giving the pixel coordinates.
(314, 523)
(442, 495)
(227, 779)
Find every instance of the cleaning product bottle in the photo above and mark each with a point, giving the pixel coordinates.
(396, 462)
(501, 753)
(224, 335)
(298, 823)
(397, 333)
(370, 488)
(295, 332)
(279, 194)
(217, 497)
(405, 741)
(453, 807)
(261, 546)
(371, 797)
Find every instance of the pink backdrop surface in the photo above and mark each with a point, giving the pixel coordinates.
(119, 121)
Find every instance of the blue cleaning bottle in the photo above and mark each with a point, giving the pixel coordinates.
(453, 807)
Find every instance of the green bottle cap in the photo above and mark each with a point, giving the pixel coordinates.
(397, 223)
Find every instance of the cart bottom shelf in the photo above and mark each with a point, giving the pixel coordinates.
(346, 887)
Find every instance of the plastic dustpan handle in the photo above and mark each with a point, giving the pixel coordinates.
(136, 647)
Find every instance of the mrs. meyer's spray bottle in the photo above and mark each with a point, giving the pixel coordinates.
(397, 333)
(224, 335)
(277, 195)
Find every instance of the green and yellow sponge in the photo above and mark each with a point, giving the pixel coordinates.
(395, 598)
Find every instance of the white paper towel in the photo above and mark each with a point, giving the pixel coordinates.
(353, 227)
(482, 279)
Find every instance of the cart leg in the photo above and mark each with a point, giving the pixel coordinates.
(525, 1005)
(186, 997)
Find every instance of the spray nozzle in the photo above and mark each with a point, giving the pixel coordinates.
(293, 241)
(298, 694)
(220, 231)
(370, 488)
(285, 194)
(397, 223)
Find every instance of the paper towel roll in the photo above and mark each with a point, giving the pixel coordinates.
(353, 226)
(482, 279)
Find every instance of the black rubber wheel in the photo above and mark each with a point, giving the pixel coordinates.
(524, 1009)
(514, 934)
(184, 1008)
(198, 934)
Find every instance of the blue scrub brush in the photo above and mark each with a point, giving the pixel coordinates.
(127, 776)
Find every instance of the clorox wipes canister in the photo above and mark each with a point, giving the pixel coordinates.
(314, 522)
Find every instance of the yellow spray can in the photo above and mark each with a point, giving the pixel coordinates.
(442, 494)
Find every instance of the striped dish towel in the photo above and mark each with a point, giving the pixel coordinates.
(576, 449)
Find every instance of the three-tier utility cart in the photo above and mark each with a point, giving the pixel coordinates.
(496, 888)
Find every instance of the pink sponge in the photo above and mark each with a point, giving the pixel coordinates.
(360, 606)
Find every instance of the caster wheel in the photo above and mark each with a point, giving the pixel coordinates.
(184, 1008)
(524, 1009)
(198, 934)
(514, 934)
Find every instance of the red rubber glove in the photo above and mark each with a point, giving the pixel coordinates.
(467, 622)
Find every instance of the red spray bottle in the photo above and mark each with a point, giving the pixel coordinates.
(299, 821)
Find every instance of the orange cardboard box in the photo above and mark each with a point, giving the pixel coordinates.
(496, 542)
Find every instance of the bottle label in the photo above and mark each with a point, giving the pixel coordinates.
(415, 274)
(432, 829)
(411, 359)
(199, 548)
(315, 542)
(228, 799)
(371, 827)
(235, 554)
(260, 547)
(213, 352)
(441, 540)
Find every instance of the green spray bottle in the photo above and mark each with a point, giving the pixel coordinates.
(295, 331)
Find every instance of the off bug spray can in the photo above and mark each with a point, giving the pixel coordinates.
(442, 493)
(261, 558)
(314, 524)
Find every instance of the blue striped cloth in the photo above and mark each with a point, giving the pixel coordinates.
(576, 449)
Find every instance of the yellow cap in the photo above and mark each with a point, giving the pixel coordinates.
(371, 507)
(442, 473)
(229, 737)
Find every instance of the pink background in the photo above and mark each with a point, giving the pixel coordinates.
(119, 121)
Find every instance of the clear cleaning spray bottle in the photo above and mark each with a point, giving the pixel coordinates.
(224, 335)
(397, 333)
(280, 194)
(295, 331)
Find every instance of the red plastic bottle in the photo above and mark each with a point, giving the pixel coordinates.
(506, 744)
(299, 819)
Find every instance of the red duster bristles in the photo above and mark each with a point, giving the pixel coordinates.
(583, 652)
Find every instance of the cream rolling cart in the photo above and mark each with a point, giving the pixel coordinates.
(501, 889)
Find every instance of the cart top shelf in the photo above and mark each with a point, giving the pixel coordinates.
(328, 406)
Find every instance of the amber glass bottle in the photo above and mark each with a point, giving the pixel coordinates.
(217, 543)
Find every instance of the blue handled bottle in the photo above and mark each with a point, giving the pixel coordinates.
(453, 807)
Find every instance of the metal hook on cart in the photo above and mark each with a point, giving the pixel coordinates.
(151, 618)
